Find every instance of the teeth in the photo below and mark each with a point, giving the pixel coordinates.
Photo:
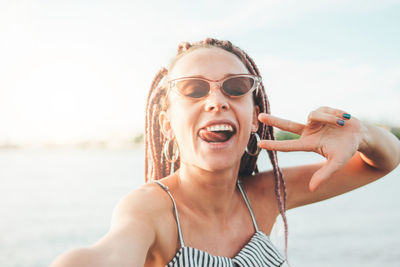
(220, 127)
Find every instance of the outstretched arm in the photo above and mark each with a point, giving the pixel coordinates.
(131, 234)
(357, 153)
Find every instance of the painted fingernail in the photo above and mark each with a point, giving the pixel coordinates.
(340, 122)
(346, 116)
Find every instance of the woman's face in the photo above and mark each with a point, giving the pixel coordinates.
(197, 123)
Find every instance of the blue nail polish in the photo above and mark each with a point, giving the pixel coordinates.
(340, 122)
(346, 116)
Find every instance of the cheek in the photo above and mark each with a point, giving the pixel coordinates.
(183, 117)
(246, 112)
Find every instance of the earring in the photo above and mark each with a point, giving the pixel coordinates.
(175, 151)
(258, 149)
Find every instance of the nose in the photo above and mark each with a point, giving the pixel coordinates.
(216, 100)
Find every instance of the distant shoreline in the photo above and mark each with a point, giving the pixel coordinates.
(136, 141)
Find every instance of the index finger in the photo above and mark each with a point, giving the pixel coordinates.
(286, 125)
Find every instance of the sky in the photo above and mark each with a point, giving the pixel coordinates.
(80, 70)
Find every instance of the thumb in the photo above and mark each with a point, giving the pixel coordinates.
(323, 174)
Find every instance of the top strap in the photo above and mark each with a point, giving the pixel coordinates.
(239, 183)
(166, 189)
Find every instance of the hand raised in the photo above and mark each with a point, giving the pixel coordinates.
(328, 132)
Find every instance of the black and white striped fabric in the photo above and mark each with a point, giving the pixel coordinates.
(258, 252)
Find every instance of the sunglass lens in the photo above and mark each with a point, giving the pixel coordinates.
(193, 88)
(237, 86)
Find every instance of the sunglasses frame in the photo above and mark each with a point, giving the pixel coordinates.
(211, 83)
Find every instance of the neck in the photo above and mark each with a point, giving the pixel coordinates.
(208, 191)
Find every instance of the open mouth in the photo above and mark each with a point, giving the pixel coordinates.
(217, 133)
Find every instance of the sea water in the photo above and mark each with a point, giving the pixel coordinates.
(55, 200)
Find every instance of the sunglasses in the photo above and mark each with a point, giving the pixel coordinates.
(236, 85)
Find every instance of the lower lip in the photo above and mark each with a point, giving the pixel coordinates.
(218, 145)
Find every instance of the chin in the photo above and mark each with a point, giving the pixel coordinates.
(215, 164)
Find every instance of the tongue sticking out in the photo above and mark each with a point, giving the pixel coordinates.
(219, 136)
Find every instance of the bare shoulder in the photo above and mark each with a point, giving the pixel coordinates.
(142, 204)
(133, 232)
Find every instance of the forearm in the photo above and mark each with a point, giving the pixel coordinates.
(379, 148)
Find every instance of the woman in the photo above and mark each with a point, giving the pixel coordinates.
(205, 203)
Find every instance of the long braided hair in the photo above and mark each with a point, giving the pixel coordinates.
(156, 164)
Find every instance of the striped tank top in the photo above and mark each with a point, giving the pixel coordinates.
(258, 252)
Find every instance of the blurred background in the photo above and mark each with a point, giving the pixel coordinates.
(74, 77)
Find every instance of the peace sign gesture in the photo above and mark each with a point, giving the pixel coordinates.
(328, 132)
